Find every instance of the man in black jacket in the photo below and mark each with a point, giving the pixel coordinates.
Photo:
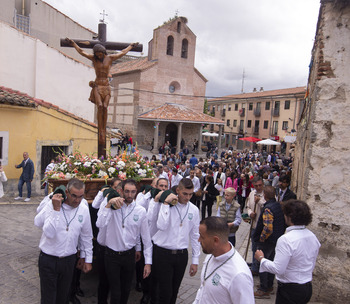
(283, 193)
(269, 228)
(27, 175)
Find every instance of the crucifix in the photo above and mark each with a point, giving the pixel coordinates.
(102, 62)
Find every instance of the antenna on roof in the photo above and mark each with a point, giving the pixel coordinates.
(103, 16)
(243, 76)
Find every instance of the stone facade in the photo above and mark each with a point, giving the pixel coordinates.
(322, 156)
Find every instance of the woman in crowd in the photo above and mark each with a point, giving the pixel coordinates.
(209, 195)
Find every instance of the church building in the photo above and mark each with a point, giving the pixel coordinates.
(161, 97)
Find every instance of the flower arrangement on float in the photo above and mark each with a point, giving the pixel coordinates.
(85, 166)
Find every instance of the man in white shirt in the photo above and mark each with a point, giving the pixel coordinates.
(225, 276)
(64, 227)
(176, 226)
(296, 254)
(175, 178)
(126, 222)
(255, 202)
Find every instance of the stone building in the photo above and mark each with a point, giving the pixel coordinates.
(322, 156)
(167, 76)
(261, 114)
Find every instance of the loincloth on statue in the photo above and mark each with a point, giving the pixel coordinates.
(103, 91)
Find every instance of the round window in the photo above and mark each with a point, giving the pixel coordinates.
(174, 86)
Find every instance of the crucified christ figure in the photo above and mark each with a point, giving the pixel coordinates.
(101, 91)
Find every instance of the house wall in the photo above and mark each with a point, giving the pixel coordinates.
(47, 24)
(320, 170)
(30, 66)
(29, 129)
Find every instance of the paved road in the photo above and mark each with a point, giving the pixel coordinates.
(19, 278)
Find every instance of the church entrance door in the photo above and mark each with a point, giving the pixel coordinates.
(171, 134)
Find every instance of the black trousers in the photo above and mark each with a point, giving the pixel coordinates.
(103, 285)
(169, 269)
(266, 278)
(120, 269)
(206, 205)
(292, 293)
(55, 278)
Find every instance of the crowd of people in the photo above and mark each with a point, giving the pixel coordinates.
(156, 225)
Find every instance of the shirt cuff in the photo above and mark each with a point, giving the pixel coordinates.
(195, 260)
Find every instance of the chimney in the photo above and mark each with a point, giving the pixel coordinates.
(254, 90)
(261, 89)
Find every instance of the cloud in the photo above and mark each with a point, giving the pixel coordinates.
(271, 39)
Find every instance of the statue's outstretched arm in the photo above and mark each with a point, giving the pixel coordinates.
(123, 52)
(79, 50)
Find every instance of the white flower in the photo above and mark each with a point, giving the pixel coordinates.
(137, 166)
(69, 176)
(77, 163)
(111, 170)
(87, 164)
(102, 173)
(121, 164)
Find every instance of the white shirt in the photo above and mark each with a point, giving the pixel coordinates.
(135, 225)
(143, 199)
(98, 200)
(56, 240)
(196, 183)
(230, 283)
(175, 179)
(251, 204)
(101, 236)
(296, 253)
(171, 235)
(152, 216)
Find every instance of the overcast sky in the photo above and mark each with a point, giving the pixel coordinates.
(270, 39)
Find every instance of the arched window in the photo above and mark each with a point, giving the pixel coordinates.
(170, 46)
(184, 48)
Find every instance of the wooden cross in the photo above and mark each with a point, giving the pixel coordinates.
(101, 112)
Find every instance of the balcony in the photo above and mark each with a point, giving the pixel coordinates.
(276, 112)
(240, 130)
(241, 112)
(257, 112)
(256, 131)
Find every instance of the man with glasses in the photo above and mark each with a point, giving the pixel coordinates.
(255, 202)
(125, 223)
(65, 222)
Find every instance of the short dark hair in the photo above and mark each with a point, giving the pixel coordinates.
(115, 179)
(269, 192)
(162, 178)
(285, 178)
(75, 183)
(217, 226)
(186, 183)
(128, 181)
(298, 211)
(209, 177)
(175, 170)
